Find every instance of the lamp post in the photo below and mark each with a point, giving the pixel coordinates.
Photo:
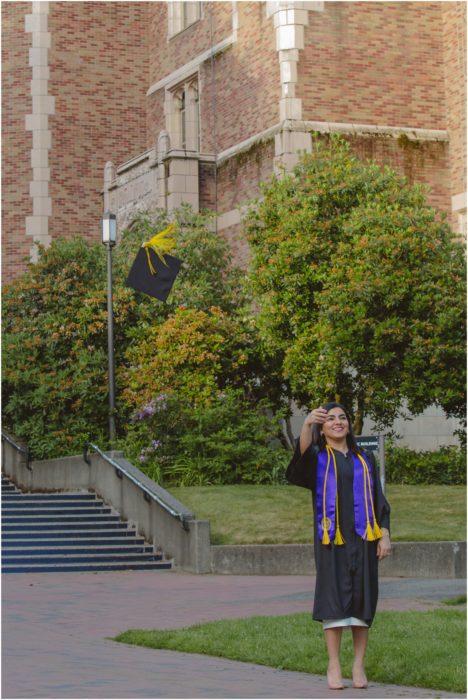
(109, 239)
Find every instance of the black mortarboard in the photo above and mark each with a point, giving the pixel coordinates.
(158, 283)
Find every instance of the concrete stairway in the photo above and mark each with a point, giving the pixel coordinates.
(68, 532)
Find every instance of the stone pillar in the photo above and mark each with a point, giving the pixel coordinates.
(43, 105)
(191, 117)
(289, 20)
(109, 177)
(182, 181)
(162, 149)
(459, 210)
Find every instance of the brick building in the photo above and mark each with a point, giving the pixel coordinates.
(134, 105)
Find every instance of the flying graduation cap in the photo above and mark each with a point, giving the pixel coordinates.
(154, 270)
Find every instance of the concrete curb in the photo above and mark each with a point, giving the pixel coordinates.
(408, 559)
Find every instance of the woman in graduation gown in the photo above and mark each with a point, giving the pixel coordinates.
(351, 530)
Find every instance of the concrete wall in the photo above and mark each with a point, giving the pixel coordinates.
(190, 548)
(408, 559)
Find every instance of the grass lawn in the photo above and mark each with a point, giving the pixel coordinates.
(250, 514)
(426, 649)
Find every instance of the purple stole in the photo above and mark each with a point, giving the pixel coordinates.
(327, 507)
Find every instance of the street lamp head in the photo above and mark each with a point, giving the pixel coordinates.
(109, 228)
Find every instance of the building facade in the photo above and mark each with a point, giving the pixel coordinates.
(135, 105)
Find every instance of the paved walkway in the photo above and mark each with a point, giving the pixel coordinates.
(55, 630)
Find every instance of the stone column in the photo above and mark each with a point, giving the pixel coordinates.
(43, 105)
(289, 20)
(109, 177)
(162, 149)
(182, 181)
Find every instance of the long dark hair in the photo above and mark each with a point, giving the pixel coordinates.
(319, 440)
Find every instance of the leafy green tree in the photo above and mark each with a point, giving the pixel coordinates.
(360, 287)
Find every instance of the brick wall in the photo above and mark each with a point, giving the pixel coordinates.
(424, 162)
(374, 62)
(239, 177)
(99, 75)
(246, 85)
(17, 142)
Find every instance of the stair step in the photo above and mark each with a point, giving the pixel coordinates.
(72, 540)
(75, 549)
(69, 531)
(9, 512)
(9, 504)
(59, 518)
(51, 497)
(81, 558)
(82, 525)
(66, 534)
(120, 566)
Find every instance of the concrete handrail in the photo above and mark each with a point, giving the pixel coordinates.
(182, 516)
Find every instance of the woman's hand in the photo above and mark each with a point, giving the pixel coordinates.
(384, 546)
(317, 415)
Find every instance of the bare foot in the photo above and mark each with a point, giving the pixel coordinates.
(335, 681)
(359, 676)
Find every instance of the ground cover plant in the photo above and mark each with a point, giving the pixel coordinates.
(431, 653)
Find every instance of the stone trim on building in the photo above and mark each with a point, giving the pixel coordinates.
(459, 208)
(181, 15)
(299, 126)
(43, 105)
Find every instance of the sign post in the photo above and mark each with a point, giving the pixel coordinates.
(376, 443)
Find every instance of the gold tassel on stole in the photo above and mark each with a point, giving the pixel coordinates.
(338, 539)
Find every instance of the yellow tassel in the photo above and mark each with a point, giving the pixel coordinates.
(377, 531)
(161, 243)
(369, 533)
(338, 537)
(325, 538)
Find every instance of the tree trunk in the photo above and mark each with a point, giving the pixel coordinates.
(289, 432)
(359, 417)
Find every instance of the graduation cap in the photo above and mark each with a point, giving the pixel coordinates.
(154, 270)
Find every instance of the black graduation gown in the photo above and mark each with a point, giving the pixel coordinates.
(347, 575)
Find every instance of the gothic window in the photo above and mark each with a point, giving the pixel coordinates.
(181, 15)
(183, 121)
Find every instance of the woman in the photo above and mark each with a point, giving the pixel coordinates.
(351, 531)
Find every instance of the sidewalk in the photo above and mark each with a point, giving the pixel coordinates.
(55, 630)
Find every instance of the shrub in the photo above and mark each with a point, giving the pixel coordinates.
(445, 466)
(222, 440)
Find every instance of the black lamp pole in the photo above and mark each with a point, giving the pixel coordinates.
(109, 238)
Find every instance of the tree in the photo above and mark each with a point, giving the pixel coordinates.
(55, 386)
(360, 286)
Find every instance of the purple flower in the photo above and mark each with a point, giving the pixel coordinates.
(146, 411)
(155, 444)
